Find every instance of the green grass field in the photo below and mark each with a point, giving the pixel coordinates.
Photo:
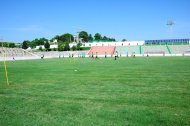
(85, 92)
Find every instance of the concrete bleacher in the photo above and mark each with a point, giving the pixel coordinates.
(122, 50)
(16, 54)
(127, 50)
(102, 51)
(133, 50)
(179, 49)
(151, 50)
(56, 54)
(156, 49)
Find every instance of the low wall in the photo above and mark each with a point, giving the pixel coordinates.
(89, 56)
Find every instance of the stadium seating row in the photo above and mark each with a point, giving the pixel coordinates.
(155, 49)
(16, 53)
(129, 50)
(99, 50)
(176, 49)
(172, 49)
(102, 50)
(55, 54)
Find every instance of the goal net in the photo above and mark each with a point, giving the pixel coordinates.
(160, 53)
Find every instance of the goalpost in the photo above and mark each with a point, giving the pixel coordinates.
(186, 53)
(160, 53)
(5, 65)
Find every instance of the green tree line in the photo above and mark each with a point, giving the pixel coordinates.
(63, 41)
(7, 44)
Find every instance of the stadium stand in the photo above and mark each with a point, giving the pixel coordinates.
(102, 50)
(56, 54)
(133, 50)
(156, 49)
(179, 49)
(16, 54)
(167, 41)
(127, 50)
(121, 50)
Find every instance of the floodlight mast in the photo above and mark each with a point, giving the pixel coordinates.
(77, 39)
(170, 24)
(78, 32)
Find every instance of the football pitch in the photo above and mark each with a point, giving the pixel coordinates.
(126, 92)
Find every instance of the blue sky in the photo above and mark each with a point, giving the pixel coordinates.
(131, 19)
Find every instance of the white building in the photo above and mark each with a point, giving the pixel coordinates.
(51, 46)
(128, 43)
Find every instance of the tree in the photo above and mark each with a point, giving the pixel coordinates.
(37, 42)
(78, 46)
(54, 49)
(66, 38)
(47, 46)
(60, 46)
(33, 43)
(42, 41)
(84, 36)
(74, 48)
(40, 48)
(11, 45)
(90, 38)
(18, 45)
(28, 43)
(66, 47)
(123, 40)
(97, 36)
(5, 44)
(112, 39)
(57, 37)
(105, 38)
(24, 45)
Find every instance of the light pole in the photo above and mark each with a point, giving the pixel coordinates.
(170, 24)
